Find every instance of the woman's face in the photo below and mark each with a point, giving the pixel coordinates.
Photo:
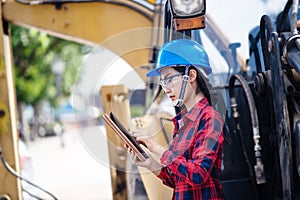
(171, 81)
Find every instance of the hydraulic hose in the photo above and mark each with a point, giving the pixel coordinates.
(259, 167)
(266, 28)
(294, 16)
(13, 172)
(284, 17)
(292, 45)
(291, 52)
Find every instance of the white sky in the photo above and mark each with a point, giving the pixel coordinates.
(237, 17)
(102, 67)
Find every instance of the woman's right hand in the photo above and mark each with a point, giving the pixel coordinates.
(150, 144)
(150, 163)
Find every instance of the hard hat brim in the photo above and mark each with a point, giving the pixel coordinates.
(154, 72)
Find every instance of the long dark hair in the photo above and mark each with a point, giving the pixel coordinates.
(203, 84)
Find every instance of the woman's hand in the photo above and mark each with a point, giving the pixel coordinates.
(150, 163)
(154, 147)
(150, 143)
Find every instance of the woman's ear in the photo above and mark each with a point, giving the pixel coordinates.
(193, 75)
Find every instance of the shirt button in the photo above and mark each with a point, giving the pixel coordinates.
(165, 161)
(176, 135)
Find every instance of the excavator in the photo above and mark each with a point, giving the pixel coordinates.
(258, 97)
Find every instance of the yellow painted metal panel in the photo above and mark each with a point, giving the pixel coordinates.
(151, 125)
(90, 22)
(9, 184)
(115, 99)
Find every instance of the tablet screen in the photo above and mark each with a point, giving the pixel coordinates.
(127, 134)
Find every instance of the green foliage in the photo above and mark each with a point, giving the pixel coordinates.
(136, 110)
(33, 53)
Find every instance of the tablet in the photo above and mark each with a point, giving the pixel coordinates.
(112, 120)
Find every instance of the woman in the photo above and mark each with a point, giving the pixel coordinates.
(192, 164)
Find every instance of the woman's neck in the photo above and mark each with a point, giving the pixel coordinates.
(192, 100)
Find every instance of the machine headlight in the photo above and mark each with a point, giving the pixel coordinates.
(188, 14)
(187, 8)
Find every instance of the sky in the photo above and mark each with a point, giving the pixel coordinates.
(237, 17)
(101, 67)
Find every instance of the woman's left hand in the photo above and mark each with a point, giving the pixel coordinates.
(150, 163)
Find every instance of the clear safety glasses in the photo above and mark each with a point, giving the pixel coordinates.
(171, 81)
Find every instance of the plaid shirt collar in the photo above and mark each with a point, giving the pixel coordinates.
(192, 115)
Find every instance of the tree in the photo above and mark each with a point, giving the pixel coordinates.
(34, 53)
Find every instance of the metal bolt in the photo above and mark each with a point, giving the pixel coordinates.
(270, 46)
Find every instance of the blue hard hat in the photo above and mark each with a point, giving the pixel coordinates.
(181, 52)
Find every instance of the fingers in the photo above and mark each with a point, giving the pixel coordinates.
(134, 159)
(147, 142)
(137, 133)
(128, 149)
(142, 141)
(141, 137)
(125, 146)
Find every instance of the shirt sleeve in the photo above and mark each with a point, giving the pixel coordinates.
(195, 171)
(167, 177)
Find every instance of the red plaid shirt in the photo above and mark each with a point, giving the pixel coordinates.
(192, 164)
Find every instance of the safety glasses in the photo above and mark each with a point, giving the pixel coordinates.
(171, 81)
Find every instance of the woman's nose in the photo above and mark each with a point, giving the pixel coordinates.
(166, 90)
